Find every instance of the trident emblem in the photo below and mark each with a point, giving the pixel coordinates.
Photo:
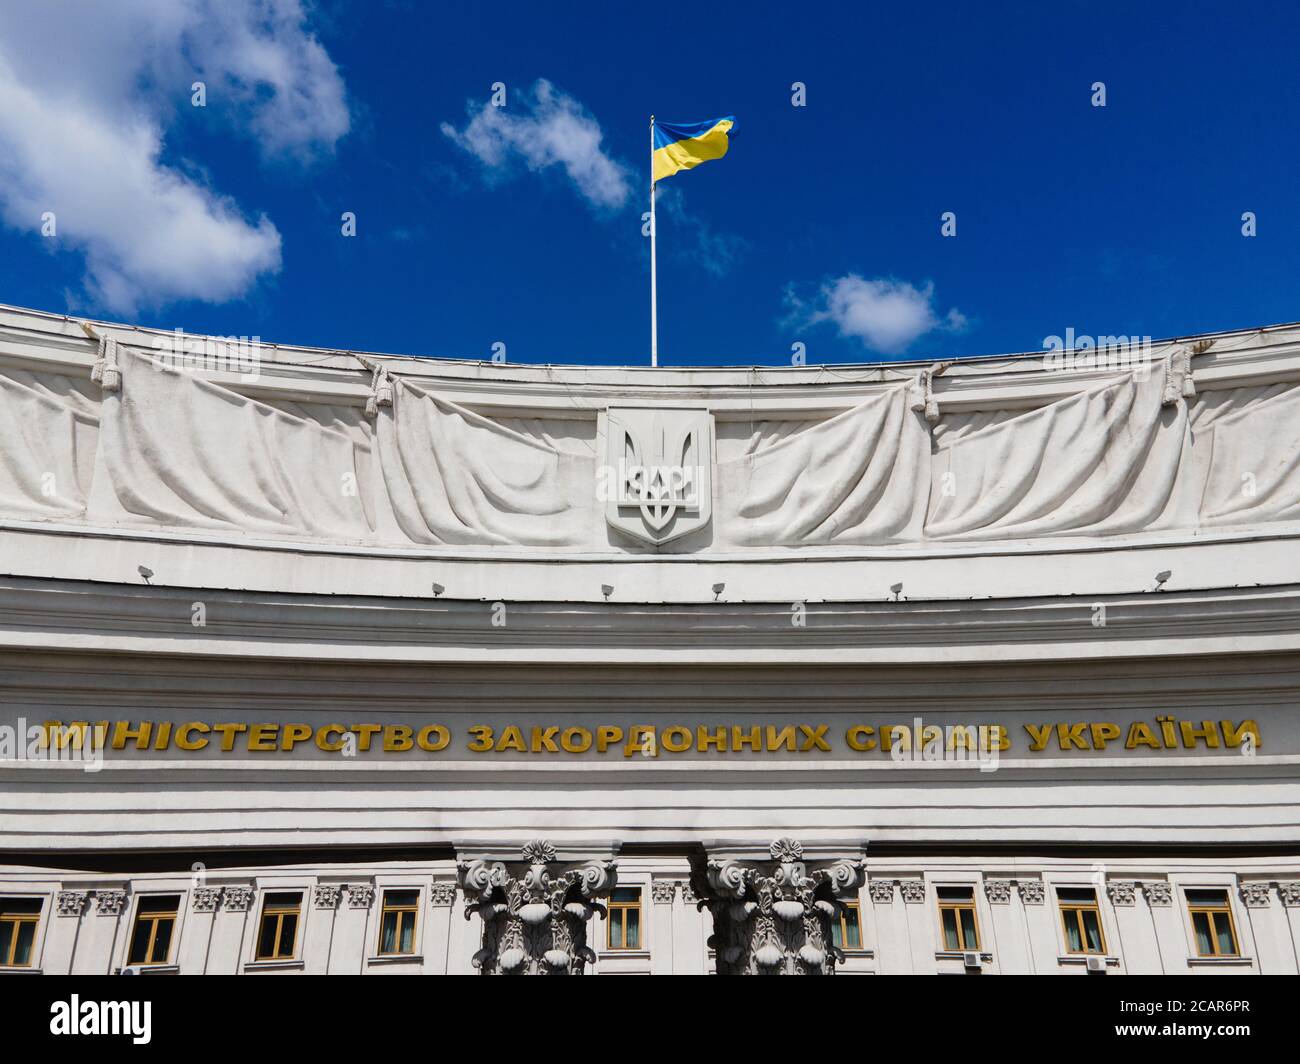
(661, 470)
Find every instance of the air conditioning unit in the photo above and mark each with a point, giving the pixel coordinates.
(1097, 964)
(972, 960)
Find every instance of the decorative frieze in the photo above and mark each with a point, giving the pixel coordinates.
(774, 917)
(1032, 891)
(326, 895)
(443, 892)
(535, 911)
(1159, 893)
(1255, 894)
(1122, 891)
(72, 902)
(998, 891)
(110, 902)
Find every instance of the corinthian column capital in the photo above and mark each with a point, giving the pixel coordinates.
(535, 901)
(773, 912)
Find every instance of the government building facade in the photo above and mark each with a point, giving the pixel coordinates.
(322, 662)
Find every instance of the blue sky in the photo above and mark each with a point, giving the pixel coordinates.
(522, 225)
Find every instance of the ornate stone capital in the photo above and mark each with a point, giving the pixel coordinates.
(360, 895)
(535, 910)
(204, 899)
(662, 891)
(443, 892)
(913, 890)
(774, 917)
(998, 891)
(236, 899)
(1289, 892)
(1032, 891)
(110, 902)
(72, 902)
(326, 895)
(882, 891)
(1255, 894)
(1158, 892)
(1122, 891)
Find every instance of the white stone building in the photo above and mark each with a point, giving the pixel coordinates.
(981, 667)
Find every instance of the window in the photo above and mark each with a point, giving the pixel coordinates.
(278, 934)
(155, 919)
(1212, 923)
(397, 922)
(18, 920)
(846, 932)
(957, 914)
(1081, 919)
(625, 918)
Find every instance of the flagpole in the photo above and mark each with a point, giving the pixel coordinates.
(654, 297)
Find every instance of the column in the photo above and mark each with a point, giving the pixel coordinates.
(535, 911)
(773, 917)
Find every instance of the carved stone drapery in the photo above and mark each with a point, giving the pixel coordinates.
(535, 911)
(774, 917)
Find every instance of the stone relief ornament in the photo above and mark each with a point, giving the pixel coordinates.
(325, 895)
(882, 891)
(1122, 891)
(1289, 892)
(998, 891)
(110, 902)
(1158, 892)
(774, 918)
(913, 890)
(236, 899)
(442, 893)
(1255, 895)
(535, 912)
(662, 891)
(72, 902)
(1031, 891)
(657, 481)
(204, 899)
(360, 895)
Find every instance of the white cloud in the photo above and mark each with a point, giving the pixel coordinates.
(545, 128)
(885, 314)
(87, 91)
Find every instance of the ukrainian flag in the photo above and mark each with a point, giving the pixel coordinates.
(680, 147)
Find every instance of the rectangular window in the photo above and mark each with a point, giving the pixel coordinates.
(957, 914)
(155, 920)
(397, 922)
(278, 934)
(1081, 920)
(18, 920)
(846, 932)
(1212, 925)
(624, 921)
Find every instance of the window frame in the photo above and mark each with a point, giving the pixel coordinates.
(623, 906)
(279, 911)
(957, 906)
(1210, 911)
(17, 920)
(1079, 907)
(173, 915)
(856, 905)
(413, 909)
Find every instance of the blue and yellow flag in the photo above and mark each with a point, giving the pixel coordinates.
(680, 147)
